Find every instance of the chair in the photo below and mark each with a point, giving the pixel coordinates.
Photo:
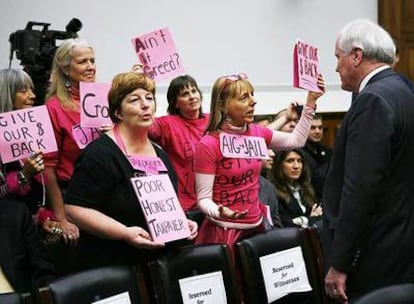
(190, 262)
(250, 250)
(92, 285)
(15, 298)
(196, 216)
(395, 294)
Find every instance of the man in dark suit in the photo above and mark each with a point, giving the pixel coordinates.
(369, 191)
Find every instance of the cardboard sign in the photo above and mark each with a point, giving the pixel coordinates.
(165, 217)
(25, 131)
(122, 298)
(94, 104)
(84, 136)
(305, 67)
(203, 289)
(149, 165)
(284, 272)
(240, 146)
(158, 55)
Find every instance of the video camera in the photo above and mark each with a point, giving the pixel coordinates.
(36, 48)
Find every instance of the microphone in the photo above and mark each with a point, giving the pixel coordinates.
(74, 25)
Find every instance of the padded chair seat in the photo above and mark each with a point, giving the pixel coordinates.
(395, 294)
(250, 250)
(93, 285)
(15, 298)
(187, 262)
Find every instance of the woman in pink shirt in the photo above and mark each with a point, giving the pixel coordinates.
(179, 132)
(74, 62)
(228, 160)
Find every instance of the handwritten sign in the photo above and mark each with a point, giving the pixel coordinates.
(239, 146)
(305, 66)
(122, 298)
(94, 104)
(158, 55)
(284, 272)
(203, 289)
(149, 165)
(84, 136)
(25, 131)
(165, 217)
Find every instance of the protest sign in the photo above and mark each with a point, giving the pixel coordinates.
(164, 215)
(158, 55)
(26, 131)
(94, 104)
(305, 66)
(84, 136)
(240, 146)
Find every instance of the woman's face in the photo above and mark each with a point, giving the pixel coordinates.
(240, 109)
(137, 109)
(292, 166)
(24, 99)
(82, 66)
(189, 102)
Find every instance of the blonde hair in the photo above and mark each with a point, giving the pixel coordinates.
(224, 89)
(60, 67)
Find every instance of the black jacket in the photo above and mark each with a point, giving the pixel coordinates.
(369, 189)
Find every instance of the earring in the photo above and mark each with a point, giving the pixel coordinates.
(67, 83)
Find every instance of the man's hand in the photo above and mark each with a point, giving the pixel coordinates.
(335, 285)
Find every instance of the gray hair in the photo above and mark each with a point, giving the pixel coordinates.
(60, 67)
(11, 82)
(375, 43)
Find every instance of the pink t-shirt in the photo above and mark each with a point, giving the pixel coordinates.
(178, 137)
(236, 183)
(62, 120)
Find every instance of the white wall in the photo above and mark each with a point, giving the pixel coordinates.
(213, 38)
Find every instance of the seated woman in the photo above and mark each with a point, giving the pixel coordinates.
(24, 264)
(297, 202)
(22, 180)
(100, 198)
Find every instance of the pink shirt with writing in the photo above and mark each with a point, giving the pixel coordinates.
(236, 183)
(178, 137)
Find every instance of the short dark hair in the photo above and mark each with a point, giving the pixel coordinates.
(317, 116)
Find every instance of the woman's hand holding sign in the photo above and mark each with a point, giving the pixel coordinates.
(140, 238)
(33, 165)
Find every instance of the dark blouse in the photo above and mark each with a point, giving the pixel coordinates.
(101, 181)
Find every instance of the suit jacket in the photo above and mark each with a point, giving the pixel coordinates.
(290, 209)
(22, 257)
(369, 189)
(318, 157)
(267, 195)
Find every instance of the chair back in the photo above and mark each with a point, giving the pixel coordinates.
(90, 286)
(192, 262)
(15, 298)
(196, 216)
(250, 251)
(395, 294)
